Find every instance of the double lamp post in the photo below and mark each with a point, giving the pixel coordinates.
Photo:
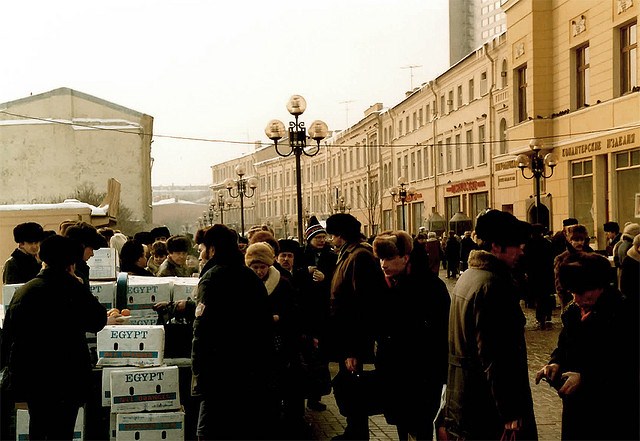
(318, 130)
(241, 188)
(537, 162)
(400, 194)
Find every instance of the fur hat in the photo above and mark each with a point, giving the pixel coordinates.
(87, 235)
(634, 251)
(162, 231)
(611, 227)
(391, 244)
(584, 271)
(570, 221)
(344, 225)
(313, 228)
(502, 228)
(28, 232)
(59, 251)
(117, 241)
(259, 252)
(632, 229)
(289, 246)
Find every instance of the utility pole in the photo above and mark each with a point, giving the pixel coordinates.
(411, 67)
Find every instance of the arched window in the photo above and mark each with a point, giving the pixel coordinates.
(503, 74)
(503, 136)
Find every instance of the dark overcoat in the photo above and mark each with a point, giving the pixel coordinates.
(488, 380)
(20, 268)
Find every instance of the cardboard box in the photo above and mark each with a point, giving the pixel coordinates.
(131, 345)
(106, 385)
(144, 292)
(105, 292)
(145, 389)
(22, 425)
(185, 288)
(150, 426)
(102, 265)
(7, 294)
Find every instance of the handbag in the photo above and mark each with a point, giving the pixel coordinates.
(358, 393)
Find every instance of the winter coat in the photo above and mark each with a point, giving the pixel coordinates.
(44, 335)
(412, 355)
(488, 379)
(466, 246)
(232, 335)
(452, 250)
(434, 250)
(356, 289)
(20, 268)
(282, 303)
(314, 297)
(169, 268)
(603, 349)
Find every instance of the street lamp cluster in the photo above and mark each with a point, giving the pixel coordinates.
(341, 206)
(318, 130)
(537, 162)
(400, 194)
(241, 188)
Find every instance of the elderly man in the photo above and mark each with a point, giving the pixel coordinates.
(488, 382)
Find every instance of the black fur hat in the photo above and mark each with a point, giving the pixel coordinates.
(28, 232)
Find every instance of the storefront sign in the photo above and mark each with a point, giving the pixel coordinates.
(508, 180)
(414, 197)
(463, 187)
(505, 165)
(596, 146)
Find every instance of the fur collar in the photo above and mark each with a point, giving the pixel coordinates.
(483, 260)
(272, 280)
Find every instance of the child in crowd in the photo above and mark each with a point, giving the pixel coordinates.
(158, 256)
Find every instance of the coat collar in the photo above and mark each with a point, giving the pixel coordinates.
(272, 280)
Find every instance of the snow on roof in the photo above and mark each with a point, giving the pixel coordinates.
(66, 205)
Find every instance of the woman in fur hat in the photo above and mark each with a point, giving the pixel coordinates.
(260, 257)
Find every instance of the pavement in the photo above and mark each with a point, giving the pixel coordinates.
(547, 404)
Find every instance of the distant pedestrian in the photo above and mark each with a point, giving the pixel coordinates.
(23, 264)
(613, 235)
(620, 249)
(434, 252)
(599, 328)
(412, 356)
(537, 263)
(560, 239)
(488, 382)
(467, 244)
(34, 330)
(452, 254)
(577, 240)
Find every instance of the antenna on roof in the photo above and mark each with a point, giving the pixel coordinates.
(411, 67)
(346, 109)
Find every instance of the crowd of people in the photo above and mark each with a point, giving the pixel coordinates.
(269, 315)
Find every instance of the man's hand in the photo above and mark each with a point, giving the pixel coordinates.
(571, 384)
(548, 373)
(351, 364)
(318, 276)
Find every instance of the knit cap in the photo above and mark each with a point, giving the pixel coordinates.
(259, 252)
(313, 228)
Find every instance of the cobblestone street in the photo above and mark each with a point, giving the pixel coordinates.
(547, 404)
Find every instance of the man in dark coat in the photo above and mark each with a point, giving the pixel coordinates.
(537, 263)
(599, 329)
(466, 246)
(488, 382)
(34, 331)
(356, 289)
(452, 254)
(412, 356)
(613, 235)
(232, 343)
(23, 264)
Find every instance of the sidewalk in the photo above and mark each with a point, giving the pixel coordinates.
(547, 404)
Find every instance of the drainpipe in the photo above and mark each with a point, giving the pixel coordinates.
(491, 128)
(434, 169)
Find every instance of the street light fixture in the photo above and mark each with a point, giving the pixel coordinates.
(341, 206)
(219, 204)
(400, 194)
(285, 222)
(536, 162)
(318, 130)
(244, 188)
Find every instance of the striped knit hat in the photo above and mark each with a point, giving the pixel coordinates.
(313, 228)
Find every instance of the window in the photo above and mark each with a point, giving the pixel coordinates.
(420, 120)
(472, 93)
(428, 113)
(503, 74)
(450, 101)
(582, 76)
(413, 176)
(400, 128)
(386, 136)
(477, 203)
(582, 188)
(458, 159)
(522, 93)
(439, 157)
(459, 95)
(417, 209)
(482, 157)
(503, 136)
(628, 175)
(419, 164)
(483, 83)
(469, 148)
(442, 108)
(628, 57)
(451, 207)
(406, 124)
(449, 154)
(399, 164)
(425, 160)
(415, 120)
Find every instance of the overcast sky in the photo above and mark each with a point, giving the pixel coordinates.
(220, 70)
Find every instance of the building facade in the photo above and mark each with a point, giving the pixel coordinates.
(55, 143)
(565, 75)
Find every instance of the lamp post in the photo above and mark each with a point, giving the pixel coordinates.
(219, 204)
(341, 206)
(244, 188)
(285, 222)
(536, 161)
(400, 194)
(318, 130)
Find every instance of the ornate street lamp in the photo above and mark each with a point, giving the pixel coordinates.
(285, 223)
(536, 161)
(244, 188)
(341, 206)
(220, 204)
(318, 130)
(400, 194)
